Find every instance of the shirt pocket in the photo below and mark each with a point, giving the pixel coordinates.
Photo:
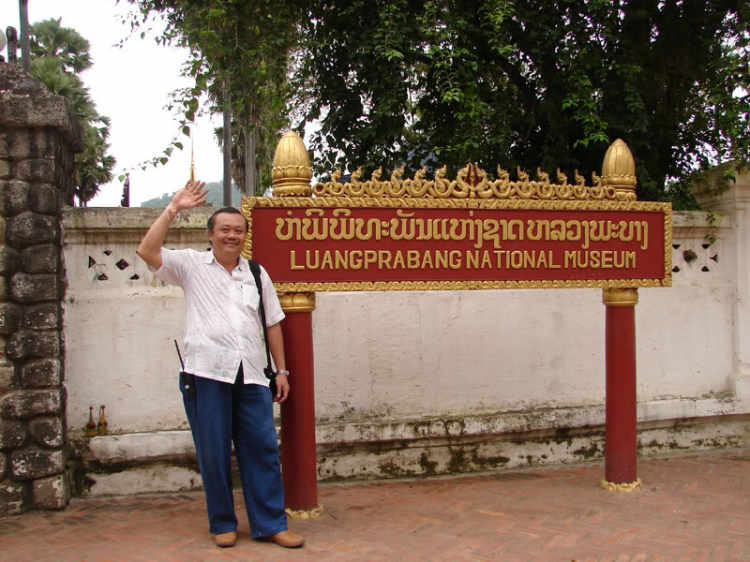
(250, 296)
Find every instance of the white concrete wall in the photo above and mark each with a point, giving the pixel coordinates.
(410, 367)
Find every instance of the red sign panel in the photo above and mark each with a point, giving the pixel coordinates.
(310, 244)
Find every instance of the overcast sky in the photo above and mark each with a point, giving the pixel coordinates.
(130, 85)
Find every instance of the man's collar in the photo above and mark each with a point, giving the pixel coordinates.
(209, 257)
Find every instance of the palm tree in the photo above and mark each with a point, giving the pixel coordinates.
(93, 166)
(50, 39)
(50, 72)
(60, 53)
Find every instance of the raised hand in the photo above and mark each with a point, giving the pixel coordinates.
(190, 196)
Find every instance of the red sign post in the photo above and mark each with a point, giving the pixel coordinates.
(468, 233)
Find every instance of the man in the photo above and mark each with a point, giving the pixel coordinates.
(229, 399)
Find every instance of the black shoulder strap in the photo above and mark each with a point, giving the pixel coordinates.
(255, 270)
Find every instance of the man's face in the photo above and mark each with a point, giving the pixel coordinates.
(228, 234)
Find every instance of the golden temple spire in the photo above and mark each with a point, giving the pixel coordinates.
(291, 172)
(192, 158)
(618, 170)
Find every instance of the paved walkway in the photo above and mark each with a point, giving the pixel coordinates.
(692, 508)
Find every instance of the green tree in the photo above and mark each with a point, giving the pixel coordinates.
(245, 45)
(50, 39)
(60, 55)
(94, 165)
(392, 82)
(49, 71)
(529, 83)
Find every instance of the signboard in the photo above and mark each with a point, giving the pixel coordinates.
(363, 244)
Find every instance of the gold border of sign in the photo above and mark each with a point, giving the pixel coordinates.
(248, 203)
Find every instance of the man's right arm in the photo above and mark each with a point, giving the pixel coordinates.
(188, 197)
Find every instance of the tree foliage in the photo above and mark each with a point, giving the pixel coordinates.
(60, 54)
(530, 83)
(533, 83)
(243, 44)
(50, 39)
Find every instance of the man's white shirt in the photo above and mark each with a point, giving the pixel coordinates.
(222, 322)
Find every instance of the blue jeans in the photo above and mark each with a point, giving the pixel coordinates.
(220, 413)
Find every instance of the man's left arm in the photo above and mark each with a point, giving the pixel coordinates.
(276, 347)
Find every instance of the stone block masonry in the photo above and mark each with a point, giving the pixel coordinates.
(38, 138)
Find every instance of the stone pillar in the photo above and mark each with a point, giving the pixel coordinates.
(38, 137)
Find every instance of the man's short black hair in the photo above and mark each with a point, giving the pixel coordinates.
(228, 210)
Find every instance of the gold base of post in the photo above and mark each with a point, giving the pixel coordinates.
(626, 487)
(305, 513)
